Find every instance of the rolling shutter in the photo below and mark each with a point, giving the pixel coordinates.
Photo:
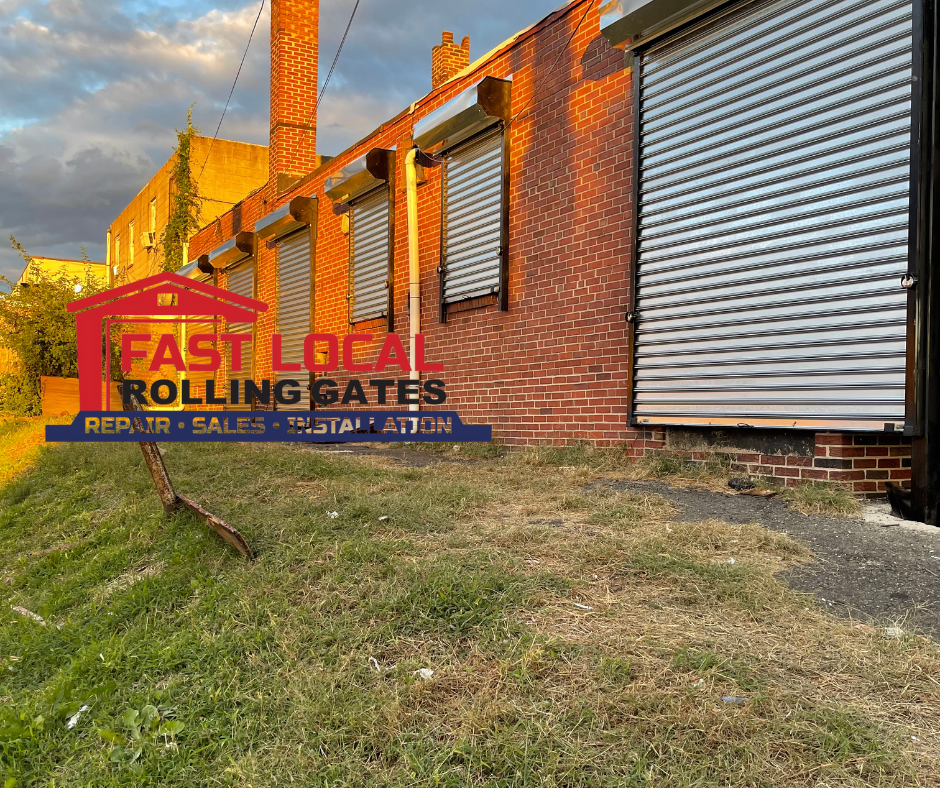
(293, 308)
(368, 257)
(472, 219)
(197, 379)
(773, 218)
(239, 279)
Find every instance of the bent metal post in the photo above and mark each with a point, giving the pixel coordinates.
(295, 406)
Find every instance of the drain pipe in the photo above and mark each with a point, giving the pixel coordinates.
(414, 271)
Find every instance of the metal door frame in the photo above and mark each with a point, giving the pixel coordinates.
(922, 388)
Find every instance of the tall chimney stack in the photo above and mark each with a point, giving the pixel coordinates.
(448, 59)
(294, 52)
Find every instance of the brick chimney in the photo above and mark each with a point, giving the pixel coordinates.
(294, 51)
(448, 58)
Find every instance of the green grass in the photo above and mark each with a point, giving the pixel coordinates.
(198, 668)
(667, 465)
(822, 498)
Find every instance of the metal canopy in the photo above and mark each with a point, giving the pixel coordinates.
(299, 212)
(774, 219)
(361, 176)
(477, 108)
(231, 252)
(628, 23)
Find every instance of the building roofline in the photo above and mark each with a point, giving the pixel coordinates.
(476, 65)
(64, 260)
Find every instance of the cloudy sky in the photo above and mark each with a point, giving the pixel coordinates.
(91, 90)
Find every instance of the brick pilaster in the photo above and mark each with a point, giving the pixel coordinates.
(294, 52)
(448, 59)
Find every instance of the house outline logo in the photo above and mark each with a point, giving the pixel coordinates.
(142, 299)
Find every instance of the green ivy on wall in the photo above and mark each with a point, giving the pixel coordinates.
(185, 201)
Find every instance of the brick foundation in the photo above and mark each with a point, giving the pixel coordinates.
(861, 462)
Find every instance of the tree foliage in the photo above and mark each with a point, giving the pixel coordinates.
(185, 201)
(37, 327)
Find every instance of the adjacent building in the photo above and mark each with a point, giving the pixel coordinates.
(56, 267)
(225, 172)
(676, 224)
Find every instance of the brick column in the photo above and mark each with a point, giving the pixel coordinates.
(448, 59)
(294, 52)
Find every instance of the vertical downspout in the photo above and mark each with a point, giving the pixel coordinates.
(414, 271)
(107, 258)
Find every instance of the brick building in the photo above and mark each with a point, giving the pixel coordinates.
(794, 355)
(231, 170)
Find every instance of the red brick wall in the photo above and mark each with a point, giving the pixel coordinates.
(554, 367)
(294, 53)
(448, 59)
(862, 462)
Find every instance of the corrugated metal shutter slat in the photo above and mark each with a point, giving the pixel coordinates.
(773, 217)
(369, 256)
(293, 308)
(473, 210)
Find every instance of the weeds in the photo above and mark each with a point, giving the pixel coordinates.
(714, 466)
(578, 635)
(822, 498)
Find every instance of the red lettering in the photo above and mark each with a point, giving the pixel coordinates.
(215, 359)
(348, 341)
(391, 345)
(236, 340)
(167, 344)
(420, 364)
(332, 355)
(276, 363)
(128, 354)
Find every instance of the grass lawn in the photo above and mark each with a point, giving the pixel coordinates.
(577, 635)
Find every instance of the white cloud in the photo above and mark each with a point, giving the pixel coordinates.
(91, 91)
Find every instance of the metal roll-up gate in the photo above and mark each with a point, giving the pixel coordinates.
(369, 256)
(774, 217)
(472, 219)
(293, 309)
(198, 378)
(240, 279)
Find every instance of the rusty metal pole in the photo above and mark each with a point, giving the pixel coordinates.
(172, 501)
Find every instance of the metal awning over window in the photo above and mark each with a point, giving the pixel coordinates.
(369, 255)
(293, 308)
(473, 216)
(240, 280)
(775, 166)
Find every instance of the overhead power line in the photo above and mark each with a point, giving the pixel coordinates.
(551, 71)
(316, 106)
(232, 91)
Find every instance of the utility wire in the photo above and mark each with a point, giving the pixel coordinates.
(326, 81)
(554, 65)
(232, 91)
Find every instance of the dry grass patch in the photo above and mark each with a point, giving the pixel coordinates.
(822, 499)
(578, 635)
